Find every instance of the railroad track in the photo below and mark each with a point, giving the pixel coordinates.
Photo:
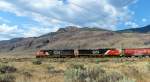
(74, 59)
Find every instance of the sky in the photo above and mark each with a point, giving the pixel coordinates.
(30, 18)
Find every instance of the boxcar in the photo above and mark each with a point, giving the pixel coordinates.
(137, 52)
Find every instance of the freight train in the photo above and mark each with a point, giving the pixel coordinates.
(106, 52)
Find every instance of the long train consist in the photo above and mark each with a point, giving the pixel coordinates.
(107, 52)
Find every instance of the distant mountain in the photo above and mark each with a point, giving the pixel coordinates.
(145, 29)
(44, 40)
(73, 37)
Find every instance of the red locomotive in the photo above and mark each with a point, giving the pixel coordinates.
(109, 52)
(42, 53)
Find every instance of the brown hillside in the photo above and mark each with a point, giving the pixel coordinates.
(73, 37)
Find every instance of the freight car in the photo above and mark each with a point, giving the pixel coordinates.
(106, 52)
(137, 52)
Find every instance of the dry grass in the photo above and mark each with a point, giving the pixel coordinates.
(78, 70)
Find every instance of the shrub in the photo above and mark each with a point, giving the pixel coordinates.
(91, 74)
(148, 65)
(97, 61)
(125, 79)
(77, 66)
(101, 60)
(7, 78)
(113, 77)
(7, 69)
(5, 62)
(37, 62)
(134, 71)
(27, 74)
(50, 69)
(84, 75)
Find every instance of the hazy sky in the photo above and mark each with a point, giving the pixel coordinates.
(27, 18)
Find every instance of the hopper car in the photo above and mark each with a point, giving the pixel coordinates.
(106, 52)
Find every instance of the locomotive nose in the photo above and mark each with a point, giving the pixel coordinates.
(41, 53)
